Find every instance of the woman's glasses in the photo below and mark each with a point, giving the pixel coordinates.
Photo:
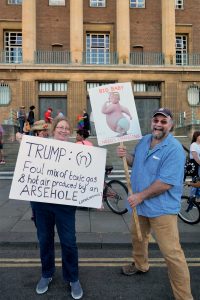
(63, 128)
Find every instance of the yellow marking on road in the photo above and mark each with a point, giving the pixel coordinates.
(83, 259)
(89, 262)
(33, 265)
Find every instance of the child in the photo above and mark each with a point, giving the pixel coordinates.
(2, 161)
(116, 114)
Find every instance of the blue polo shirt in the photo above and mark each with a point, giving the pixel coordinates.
(165, 162)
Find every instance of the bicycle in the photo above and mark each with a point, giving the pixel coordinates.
(115, 193)
(190, 208)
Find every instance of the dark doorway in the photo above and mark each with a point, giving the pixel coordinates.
(56, 103)
(145, 108)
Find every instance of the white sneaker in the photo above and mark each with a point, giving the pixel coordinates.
(76, 290)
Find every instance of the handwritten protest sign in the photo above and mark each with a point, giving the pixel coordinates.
(115, 114)
(59, 172)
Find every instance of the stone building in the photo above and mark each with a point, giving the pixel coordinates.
(52, 51)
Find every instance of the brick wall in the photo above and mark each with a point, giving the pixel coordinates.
(53, 23)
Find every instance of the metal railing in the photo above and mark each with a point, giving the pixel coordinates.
(98, 58)
(52, 57)
(189, 117)
(101, 58)
(147, 58)
(188, 59)
(7, 57)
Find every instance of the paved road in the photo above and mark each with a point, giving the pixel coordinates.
(99, 273)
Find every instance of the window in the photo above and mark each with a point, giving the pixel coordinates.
(137, 3)
(97, 3)
(97, 48)
(13, 47)
(179, 4)
(5, 94)
(181, 50)
(53, 86)
(91, 85)
(14, 1)
(57, 2)
(193, 95)
(146, 87)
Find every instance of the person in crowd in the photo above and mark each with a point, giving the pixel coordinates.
(81, 137)
(2, 160)
(59, 113)
(195, 148)
(48, 216)
(86, 120)
(195, 154)
(157, 180)
(40, 129)
(31, 115)
(27, 127)
(47, 115)
(21, 116)
(92, 125)
(80, 123)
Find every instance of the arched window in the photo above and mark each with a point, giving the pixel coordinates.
(5, 94)
(193, 95)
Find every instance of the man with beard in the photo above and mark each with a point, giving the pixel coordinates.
(157, 179)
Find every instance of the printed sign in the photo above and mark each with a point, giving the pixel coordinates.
(115, 114)
(59, 172)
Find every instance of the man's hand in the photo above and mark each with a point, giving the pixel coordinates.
(121, 151)
(135, 199)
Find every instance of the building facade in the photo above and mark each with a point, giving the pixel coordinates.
(53, 51)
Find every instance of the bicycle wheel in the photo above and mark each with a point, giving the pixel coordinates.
(190, 211)
(115, 196)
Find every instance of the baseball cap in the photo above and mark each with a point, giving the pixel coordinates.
(163, 111)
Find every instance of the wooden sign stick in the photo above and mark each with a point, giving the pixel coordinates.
(135, 216)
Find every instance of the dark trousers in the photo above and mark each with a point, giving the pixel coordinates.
(21, 125)
(63, 216)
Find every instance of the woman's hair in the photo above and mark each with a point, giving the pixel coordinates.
(55, 123)
(83, 132)
(195, 136)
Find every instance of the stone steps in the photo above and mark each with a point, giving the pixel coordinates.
(11, 151)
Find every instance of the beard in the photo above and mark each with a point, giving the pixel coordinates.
(159, 136)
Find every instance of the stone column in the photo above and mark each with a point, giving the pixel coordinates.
(168, 31)
(123, 30)
(76, 30)
(28, 30)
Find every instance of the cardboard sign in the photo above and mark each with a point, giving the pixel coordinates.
(53, 171)
(114, 113)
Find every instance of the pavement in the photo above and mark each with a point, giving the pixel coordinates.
(95, 228)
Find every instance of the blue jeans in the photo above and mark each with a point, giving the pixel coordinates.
(63, 216)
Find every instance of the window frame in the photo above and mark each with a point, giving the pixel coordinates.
(51, 3)
(13, 50)
(6, 91)
(52, 86)
(193, 94)
(97, 52)
(182, 51)
(137, 4)
(14, 2)
(97, 3)
(179, 4)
